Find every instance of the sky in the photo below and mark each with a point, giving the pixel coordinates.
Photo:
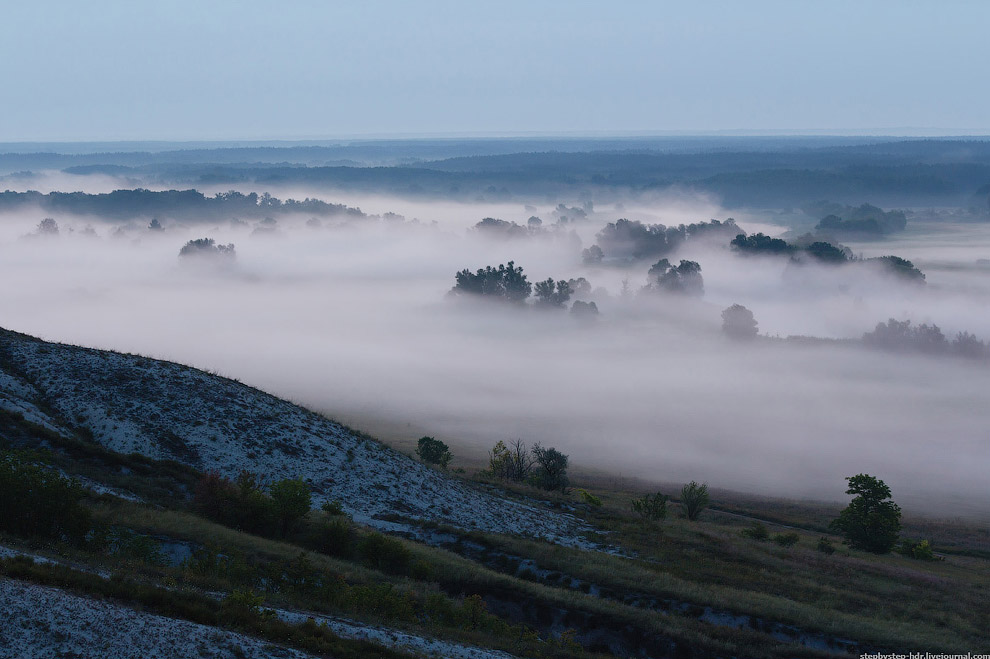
(186, 70)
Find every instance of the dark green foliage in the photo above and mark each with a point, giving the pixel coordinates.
(552, 294)
(694, 498)
(506, 282)
(651, 506)
(550, 470)
(918, 550)
(38, 502)
(825, 546)
(738, 323)
(433, 451)
(291, 501)
(243, 505)
(759, 243)
(786, 539)
(870, 522)
(901, 268)
(826, 253)
(756, 531)
(384, 553)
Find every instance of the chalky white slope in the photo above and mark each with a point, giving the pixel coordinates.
(169, 411)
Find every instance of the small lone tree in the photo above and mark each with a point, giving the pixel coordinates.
(870, 522)
(551, 468)
(738, 323)
(694, 498)
(433, 451)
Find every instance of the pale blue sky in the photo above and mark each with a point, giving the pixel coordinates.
(306, 70)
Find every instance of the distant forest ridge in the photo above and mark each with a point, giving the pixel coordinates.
(175, 204)
(765, 172)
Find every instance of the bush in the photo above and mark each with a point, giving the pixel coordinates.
(786, 539)
(651, 506)
(825, 546)
(36, 501)
(921, 550)
(870, 522)
(757, 531)
(694, 498)
(433, 451)
(589, 498)
(384, 553)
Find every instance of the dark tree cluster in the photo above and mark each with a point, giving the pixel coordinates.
(36, 501)
(184, 204)
(759, 243)
(552, 294)
(901, 335)
(510, 463)
(506, 282)
(626, 239)
(683, 279)
(545, 468)
(820, 251)
(207, 248)
(861, 223)
(243, 504)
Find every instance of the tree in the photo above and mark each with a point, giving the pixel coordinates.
(512, 462)
(291, 500)
(738, 322)
(684, 278)
(593, 255)
(694, 498)
(870, 522)
(584, 309)
(551, 468)
(433, 451)
(506, 282)
(47, 227)
(553, 294)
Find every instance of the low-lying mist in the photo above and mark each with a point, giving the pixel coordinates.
(353, 319)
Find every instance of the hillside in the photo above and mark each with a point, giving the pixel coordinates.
(165, 411)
